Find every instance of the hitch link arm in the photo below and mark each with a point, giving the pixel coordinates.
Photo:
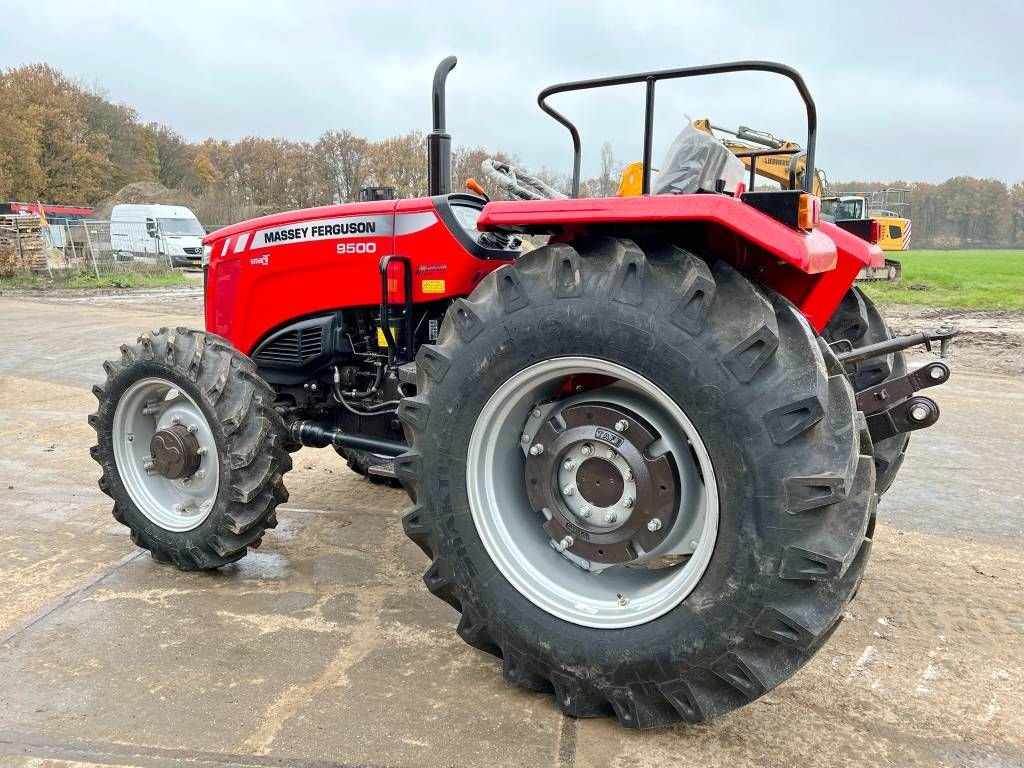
(899, 343)
(917, 412)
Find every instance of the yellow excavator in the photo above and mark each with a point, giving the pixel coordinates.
(889, 207)
(782, 161)
(774, 159)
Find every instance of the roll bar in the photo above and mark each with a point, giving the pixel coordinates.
(650, 78)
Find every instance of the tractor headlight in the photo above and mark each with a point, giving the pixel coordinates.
(207, 250)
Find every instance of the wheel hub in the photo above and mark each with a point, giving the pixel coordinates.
(166, 454)
(175, 452)
(600, 482)
(606, 497)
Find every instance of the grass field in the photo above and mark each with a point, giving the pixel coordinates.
(967, 279)
(89, 280)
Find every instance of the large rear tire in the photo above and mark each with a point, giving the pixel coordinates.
(858, 321)
(192, 451)
(692, 351)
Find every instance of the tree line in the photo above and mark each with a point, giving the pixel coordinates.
(961, 211)
(62, 142)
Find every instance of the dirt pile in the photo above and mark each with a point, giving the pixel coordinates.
(990, 340)
(143, 192)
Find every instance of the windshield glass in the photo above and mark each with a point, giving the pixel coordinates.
(850, 209)
(181, 227)
(467, 218)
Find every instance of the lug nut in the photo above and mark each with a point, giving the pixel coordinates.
(565, 543)
(610, 517)
(536, 449)
(587, 449)
(609, 454)
(201, 451)
(693, 544)
(569, 490)
(535, 413)
(192, 428)
(569, 465)
(585, 510)
(627, 502)
(201, 474)
(629, 475)
(654, 525)
(920, 412)
(936, 372)
(621, 425)
(176, 420)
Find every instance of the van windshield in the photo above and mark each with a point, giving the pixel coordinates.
(181, 227)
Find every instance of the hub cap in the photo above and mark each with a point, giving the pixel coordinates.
(175, 452)
(599, 507)
(596, 484)
(166, 454)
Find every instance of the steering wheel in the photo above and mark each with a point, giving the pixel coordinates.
(517, 183)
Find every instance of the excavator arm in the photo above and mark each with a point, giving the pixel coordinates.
(774, 167)
(770, 156)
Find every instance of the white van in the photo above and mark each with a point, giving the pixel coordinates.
(153, 231)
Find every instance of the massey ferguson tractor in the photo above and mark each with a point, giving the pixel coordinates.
(643, 458)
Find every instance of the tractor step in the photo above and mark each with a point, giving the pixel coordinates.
(384, 469)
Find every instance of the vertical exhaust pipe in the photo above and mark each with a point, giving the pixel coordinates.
(439, 143)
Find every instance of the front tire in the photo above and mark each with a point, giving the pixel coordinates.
(191, 449)
(792, 478)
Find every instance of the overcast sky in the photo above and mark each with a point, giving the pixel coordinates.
(909, 90)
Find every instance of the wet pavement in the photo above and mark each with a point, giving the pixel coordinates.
(324, 648)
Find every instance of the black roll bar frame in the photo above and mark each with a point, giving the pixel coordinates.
(650, 79)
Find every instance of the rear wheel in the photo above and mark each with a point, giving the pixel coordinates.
(858, 321)
(640, 479)
(191, 449)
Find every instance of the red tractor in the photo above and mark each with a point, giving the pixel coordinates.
(643, 458)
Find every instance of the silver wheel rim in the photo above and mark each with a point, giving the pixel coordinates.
(508, 526)
(147, 406)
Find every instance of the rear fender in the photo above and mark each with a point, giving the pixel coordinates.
(812, 269)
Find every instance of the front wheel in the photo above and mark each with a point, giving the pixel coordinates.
(191, 449)
(640, 478)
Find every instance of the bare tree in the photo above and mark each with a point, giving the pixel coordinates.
(341, 159)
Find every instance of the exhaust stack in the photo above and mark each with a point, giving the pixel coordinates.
(439, 143)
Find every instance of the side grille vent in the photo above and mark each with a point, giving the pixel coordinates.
(292, 348)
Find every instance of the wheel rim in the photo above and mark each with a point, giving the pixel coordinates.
(518, 536)
(173, 482)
